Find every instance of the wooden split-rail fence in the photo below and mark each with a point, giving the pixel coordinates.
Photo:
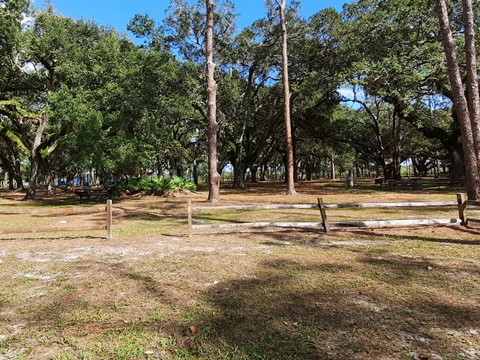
(52, 229)
(462, 204)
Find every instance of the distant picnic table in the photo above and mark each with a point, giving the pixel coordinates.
(96, 192)
(415, 183)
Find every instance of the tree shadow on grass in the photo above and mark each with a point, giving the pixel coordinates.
(429, 238)
(362, 308)
(317, 237)
(344, 315)
(400, 270)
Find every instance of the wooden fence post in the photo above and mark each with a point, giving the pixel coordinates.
(190, 221)
(321, 206)
(462, 208)
(109, 219)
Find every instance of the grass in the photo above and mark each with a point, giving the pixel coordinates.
(154, 293)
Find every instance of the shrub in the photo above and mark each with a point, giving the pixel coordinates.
(155, 184)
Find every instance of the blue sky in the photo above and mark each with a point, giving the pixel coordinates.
(117, 13)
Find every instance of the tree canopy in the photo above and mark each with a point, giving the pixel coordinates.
(369, 93)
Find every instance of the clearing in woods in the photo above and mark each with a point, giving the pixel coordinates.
(154, 293)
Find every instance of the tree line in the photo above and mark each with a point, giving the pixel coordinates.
(370, 88)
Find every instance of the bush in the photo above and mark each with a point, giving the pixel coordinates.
(155, 184)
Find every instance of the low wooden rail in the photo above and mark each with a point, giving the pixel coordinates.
(107, 226)
(191, 209)
(390, 223)
(324, 223)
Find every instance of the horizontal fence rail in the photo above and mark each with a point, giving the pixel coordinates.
(392, 223)
(391, 204)
(53, 229)
(388, 223)
(461, 204)
(257, 207)
(191, 209)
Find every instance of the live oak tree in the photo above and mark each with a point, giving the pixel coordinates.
(379, 135)
(123, 110)
(316, 68)
(402, 63)
(106, 102)
(248, 101)
(12, 151)
(61, 51)
(21, 127)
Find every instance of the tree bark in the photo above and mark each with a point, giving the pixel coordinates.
(332, 168)
(457, 167)
(70, 179)
(473, 97)
(213, 175)
(472, 178)
(239, 176)
(290, 170)
(254, 171)
(35, 158)
(308, 168)
(195, 172)
(239, 167)
(49, 176)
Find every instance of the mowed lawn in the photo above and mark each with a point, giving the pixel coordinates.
(153, 292)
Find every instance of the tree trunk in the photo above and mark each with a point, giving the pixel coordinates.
(263, 172)
(457, 168)
(473, 97)
(238, 176)
(48, 175)
(290, 170)
(239, 168)
(12, 168)
(396, 166)
(179, 170)
(50, 182)
(32, 183)
(417, 167)
(383, 165)
(195, 172)
(472, 177)
(70, 179)
(6, 180)
(18, 174)
(213, 175)
(332, 168)
(308, 168)
(254, 171)
(35, 158)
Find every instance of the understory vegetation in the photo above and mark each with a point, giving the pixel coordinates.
(154, 184)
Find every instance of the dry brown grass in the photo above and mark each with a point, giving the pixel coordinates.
(154, 293)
